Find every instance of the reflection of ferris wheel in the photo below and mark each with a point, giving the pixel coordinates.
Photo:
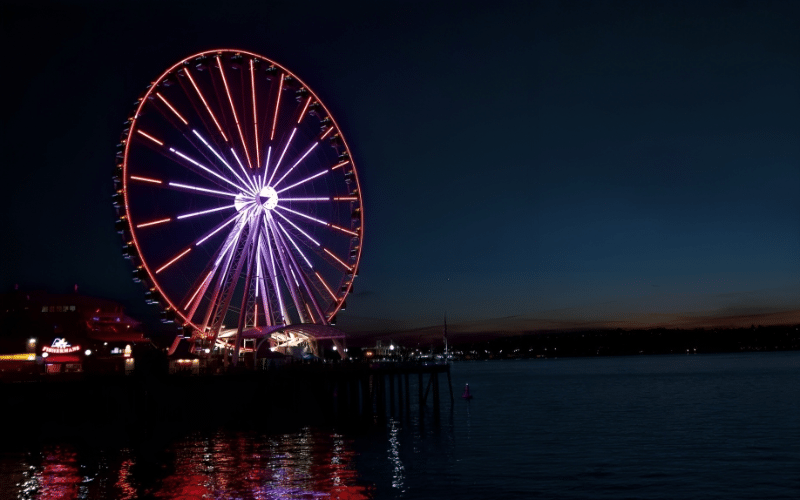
(239, 201)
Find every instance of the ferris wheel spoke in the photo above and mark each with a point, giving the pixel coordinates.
(265, 303)
(206, 169)
(324, 284)
(308, 151)
(171, 108)
(280, 159)
(328, 131)
(306, 216)
(319, 221)
(175, 259)
(250, 178)
(288, 276)
(337, 259)
(203, 99)
(233, 110)
(199, 189)
(153, 223)
(255, 110)
(343, 230)
(266, 278)
(261, 285)
(215, 231)
(148, 136)
(298, 229)
(244, 183)
(277, 106)
(205, 212)
(258, 262)
(311, 199)
(303, 181)
(305, 108)
(274, 274)
(340, 164)
(293, 244)
(302, 275)
(203, 285)
(145, 179)
(291, 269)
(191, 160)
(266, 168)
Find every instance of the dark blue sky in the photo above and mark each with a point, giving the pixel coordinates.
(554, 162)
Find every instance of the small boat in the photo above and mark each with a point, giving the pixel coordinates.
(467, 395)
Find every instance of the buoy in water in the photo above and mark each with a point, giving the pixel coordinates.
(466, 394)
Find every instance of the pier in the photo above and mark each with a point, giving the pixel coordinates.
(298, 394)
(384, 389)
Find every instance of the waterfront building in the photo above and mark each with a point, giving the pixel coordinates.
(41, 332)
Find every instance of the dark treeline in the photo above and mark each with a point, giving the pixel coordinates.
(628, 342)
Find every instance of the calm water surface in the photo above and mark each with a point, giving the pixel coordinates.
(710, 426)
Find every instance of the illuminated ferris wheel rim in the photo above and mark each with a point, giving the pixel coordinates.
(264, 195)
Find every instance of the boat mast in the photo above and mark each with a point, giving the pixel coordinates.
(444, 336)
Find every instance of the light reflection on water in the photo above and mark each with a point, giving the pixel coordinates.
(303, 465)
(655, 427)
(398, 471)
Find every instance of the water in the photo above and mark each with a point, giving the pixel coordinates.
(713, 426)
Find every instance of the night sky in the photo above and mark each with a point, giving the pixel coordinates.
(523, 164)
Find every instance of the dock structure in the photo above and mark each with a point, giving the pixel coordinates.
(296, 394)
(384, 389)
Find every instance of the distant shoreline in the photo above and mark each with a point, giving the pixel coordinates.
(633, 342)
(598, 342)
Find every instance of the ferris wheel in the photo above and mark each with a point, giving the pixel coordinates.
(239, 202)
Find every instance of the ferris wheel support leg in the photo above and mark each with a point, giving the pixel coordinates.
(228, 290)
(340, 347)
(245, 297)
(226, 252)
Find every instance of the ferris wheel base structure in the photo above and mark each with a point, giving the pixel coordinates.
(300, 341)
(239, 205)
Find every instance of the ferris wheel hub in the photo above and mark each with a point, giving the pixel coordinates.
(268, 197)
